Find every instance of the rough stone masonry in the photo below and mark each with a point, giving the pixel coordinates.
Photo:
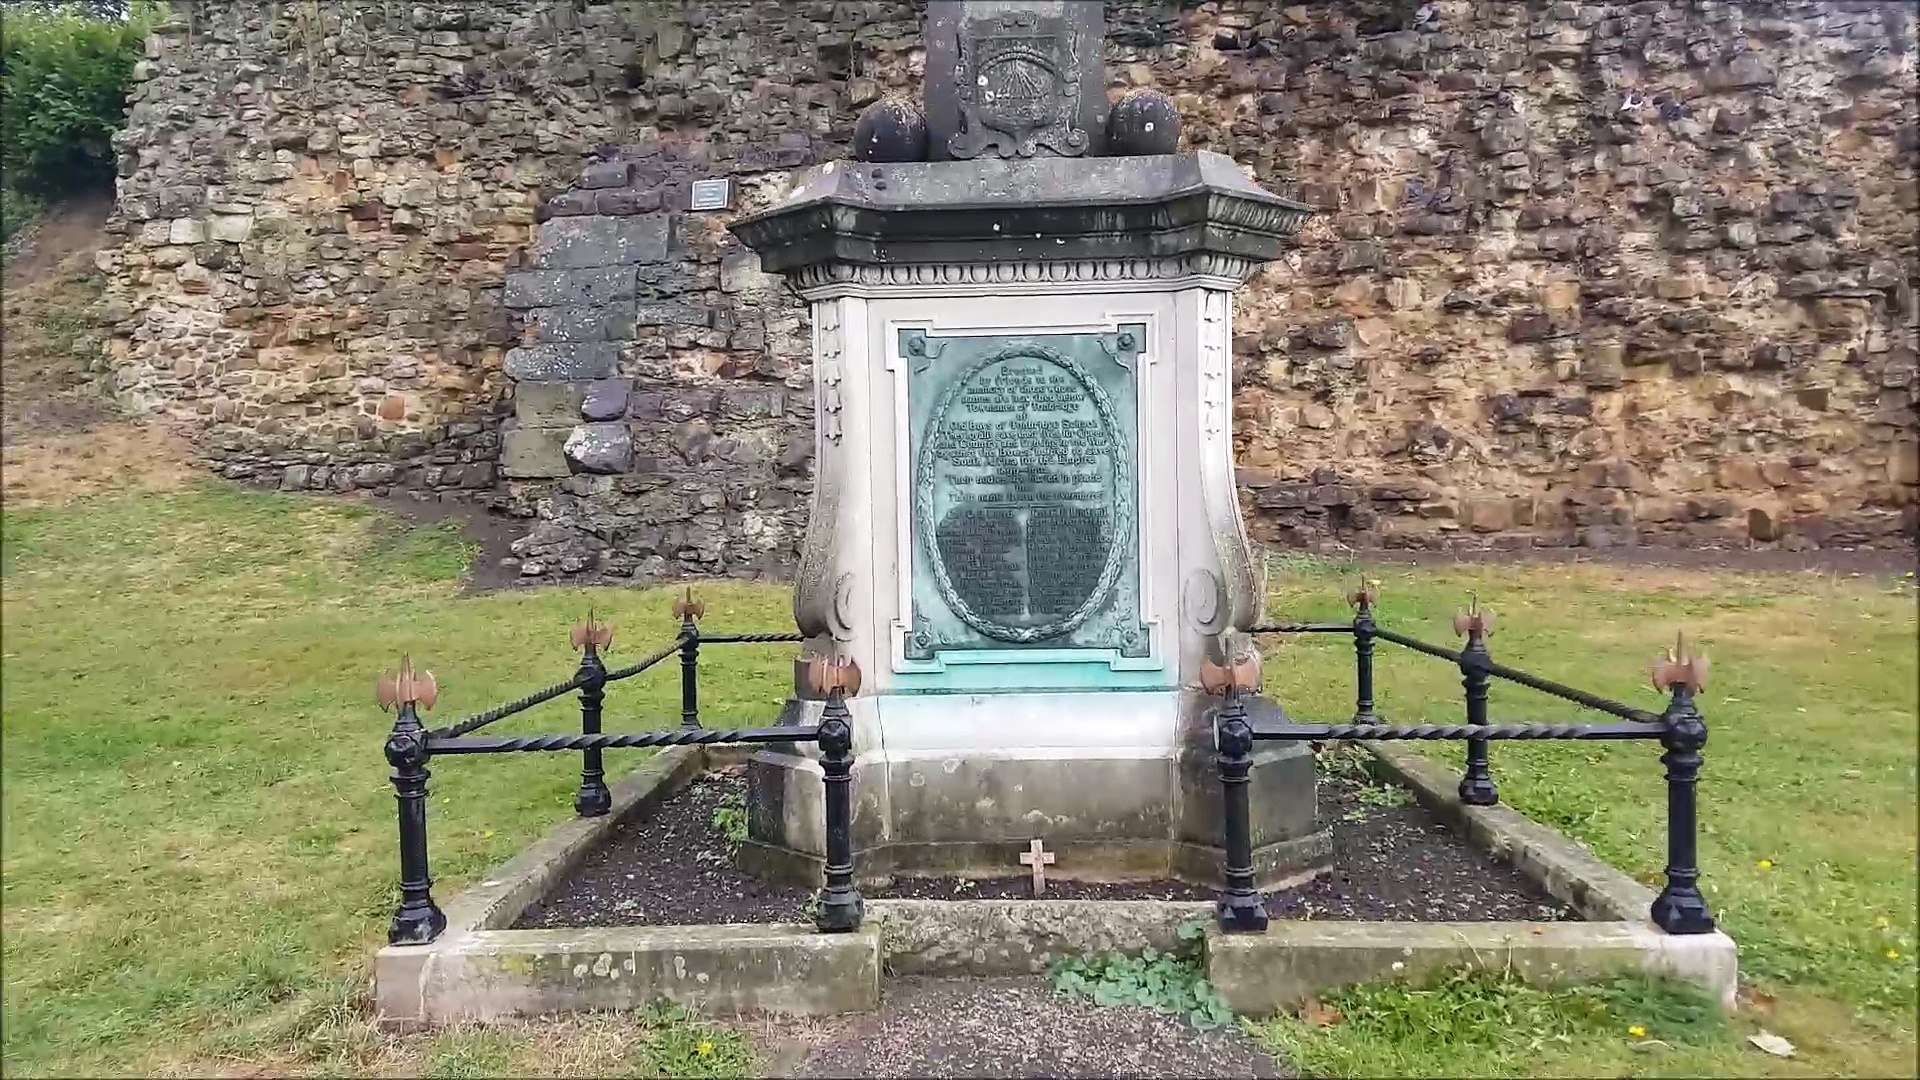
(1585, 273)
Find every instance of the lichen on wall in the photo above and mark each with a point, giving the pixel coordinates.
(1584, 273)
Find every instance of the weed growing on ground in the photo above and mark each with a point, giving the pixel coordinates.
(1165, 982)
(730, 820)
(1352, 764)
(678, 1044)
(1466, 1022)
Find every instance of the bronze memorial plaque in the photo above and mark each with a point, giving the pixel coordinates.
(1024, 491)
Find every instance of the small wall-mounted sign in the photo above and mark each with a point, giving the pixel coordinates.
(715, 194)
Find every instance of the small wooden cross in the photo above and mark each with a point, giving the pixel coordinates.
(1039, 858)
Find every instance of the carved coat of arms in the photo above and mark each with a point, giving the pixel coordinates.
(1018, 81)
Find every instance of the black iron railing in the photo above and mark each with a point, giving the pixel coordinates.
(1679, 909)
(1680, 729)
(410, 746)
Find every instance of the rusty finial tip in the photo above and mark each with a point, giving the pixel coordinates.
(592, 633)
(1232, 664)
(829, 675)
(688, 608)
(1474, 620)
(1364, 594)
(405, 686)
(1680, 666)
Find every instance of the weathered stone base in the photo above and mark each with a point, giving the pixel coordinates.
(713, 970)
(1259, 974)
(1021, 937)
(1119, 785)
(479, 970)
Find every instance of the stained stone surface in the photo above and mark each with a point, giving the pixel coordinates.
(1574, 320)
(1014, 78)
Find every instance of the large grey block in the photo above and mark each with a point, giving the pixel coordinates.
(532, 453)
(659, 313)
(601, 448)
(715, 970)
(575, 361)
(1021, 937)
(606, 399)
(1260, 974)
(574, 242)
(610, 321)
(548, 288)
(547, 404)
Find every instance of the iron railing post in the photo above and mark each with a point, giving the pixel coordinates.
(1476, 782)
(418, 920)
(1240, 906)
(840, 908)
(1363, 710)
(593, 800)
(1680, 909)
(689, 611)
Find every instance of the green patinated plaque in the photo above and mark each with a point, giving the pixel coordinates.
(1025, 494)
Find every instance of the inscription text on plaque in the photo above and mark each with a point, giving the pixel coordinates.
(1024, 491)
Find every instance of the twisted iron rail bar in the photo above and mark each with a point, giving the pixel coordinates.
(480, 720)
(1301, 628)
(1545, 686)
(501, 712)
(1304, 732)
(504, 744)
(643, 664)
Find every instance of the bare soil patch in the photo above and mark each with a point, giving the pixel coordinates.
(60, 436)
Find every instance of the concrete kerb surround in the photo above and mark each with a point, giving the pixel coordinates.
(478, 969)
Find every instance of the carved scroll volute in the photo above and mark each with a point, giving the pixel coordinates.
(815, 582)
(1243, 579)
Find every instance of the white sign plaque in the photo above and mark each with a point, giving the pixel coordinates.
(715, 194)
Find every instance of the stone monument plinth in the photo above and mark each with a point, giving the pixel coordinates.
(1024, 527)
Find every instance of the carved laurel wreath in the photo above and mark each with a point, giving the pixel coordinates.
(1121, 515)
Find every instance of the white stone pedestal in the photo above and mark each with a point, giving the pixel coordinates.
(1030, 622)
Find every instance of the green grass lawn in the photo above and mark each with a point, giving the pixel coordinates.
(198, 830)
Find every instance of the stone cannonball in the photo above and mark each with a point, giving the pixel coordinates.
(1143, 122)
(890, 130)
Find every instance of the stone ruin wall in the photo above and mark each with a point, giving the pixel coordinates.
(1594, 273)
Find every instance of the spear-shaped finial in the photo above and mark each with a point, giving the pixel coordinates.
(688, 608)
(827, 675)
(1680, 666)
(406, 686)
(1474, 620)
(592, 632)
(1366, 594)
(1232, 663)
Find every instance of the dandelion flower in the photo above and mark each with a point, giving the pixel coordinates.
(1765, 864)
(705, 1048)
(1637, 1031)
(1893, 954)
